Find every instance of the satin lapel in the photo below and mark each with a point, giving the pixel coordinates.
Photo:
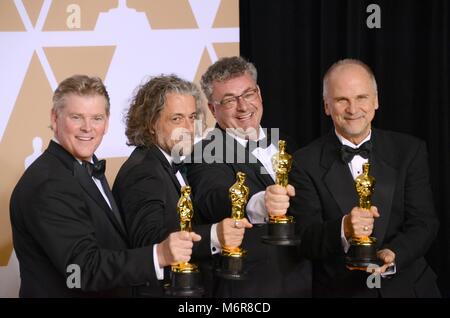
(91, 189)
(85, 181)
(65, 157)
(153, 150)
(338, 178)
(173, 178)
(385, 182)
(341, 185)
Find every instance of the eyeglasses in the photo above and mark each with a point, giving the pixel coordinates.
(230, 102)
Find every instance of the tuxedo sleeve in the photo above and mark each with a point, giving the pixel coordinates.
(59, 220)
(420, 223)
(143, 202)
(202, 249)
(141, 196)
(320, 238)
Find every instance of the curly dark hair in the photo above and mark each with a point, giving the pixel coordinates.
(149, 101)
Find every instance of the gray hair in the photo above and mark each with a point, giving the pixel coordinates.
(346, 62)
(225, 69)
(149, 101)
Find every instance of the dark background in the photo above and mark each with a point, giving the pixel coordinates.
(293, 42)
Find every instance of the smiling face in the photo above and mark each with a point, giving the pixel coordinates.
(174, 128)
(351, 101)
(79, 126)
(246, 115)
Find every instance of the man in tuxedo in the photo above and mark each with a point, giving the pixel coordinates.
(68, 233)
(402, 217)
(239, 143)
(160, 122)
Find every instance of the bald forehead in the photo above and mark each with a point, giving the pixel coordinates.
(347, 73)
(349, 70)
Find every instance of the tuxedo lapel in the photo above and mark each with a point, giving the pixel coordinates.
(86, 182)
(338, 177)
(385, 182)
(92, 190)
(173, 178)
(341, 185)
(155, 151)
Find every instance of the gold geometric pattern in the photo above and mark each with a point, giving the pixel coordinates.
(89, 12)
(227, 15)
(226, 49)
(167, 14)
(112, 168)
(205, 62)
(9, 17)
(89, 60)
(33, 8)
(30, 118)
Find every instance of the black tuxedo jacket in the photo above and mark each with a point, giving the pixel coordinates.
(59, 217)
(273, 271)
(147, 192)
(325, 192)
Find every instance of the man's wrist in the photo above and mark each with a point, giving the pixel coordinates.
(347, 228)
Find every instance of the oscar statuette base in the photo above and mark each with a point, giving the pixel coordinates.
(362, 254)
(185, 285)
(281, 234)
(231, 267)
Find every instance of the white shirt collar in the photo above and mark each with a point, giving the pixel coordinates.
(243, 141)
(169, 157)
(349, 143)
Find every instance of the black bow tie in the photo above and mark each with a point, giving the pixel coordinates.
(262, 143)
(347, 153)
(178, 167)
(97, 169)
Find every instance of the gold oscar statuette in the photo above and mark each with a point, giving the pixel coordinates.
(239, 197)
(232, 257)
(186, 213)
(185, 277)
(282, 163)
(362, 251)
(281, 228)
